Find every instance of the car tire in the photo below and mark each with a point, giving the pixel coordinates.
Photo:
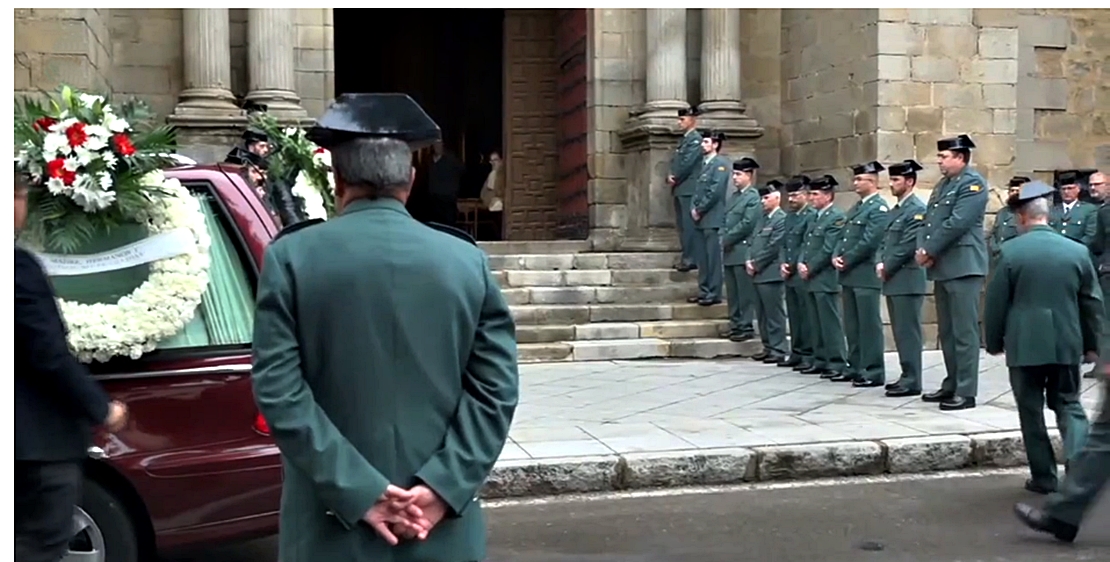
(111, 518)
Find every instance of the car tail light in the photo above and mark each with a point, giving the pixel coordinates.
(260, 424)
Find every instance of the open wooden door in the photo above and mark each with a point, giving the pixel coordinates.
(572, 218)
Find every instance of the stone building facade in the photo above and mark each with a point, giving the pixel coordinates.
(590, 94)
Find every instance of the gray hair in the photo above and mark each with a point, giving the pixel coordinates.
(380, 165)
(1035, 209)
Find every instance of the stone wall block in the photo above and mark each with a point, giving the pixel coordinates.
(957, 95)
(1044, 93)
(940, 16)
(959, 120)
(988, 17)
(991, 71)
(897, 38)
(54, 36)
(922, 119)
(935, 69)
(904, 93)
(892, 118)
(1044, 31)
(994, 149)
(952, 42)
(998, 43)
(893, 147)
(1005, 121)
(893, 67)
(1000, 96)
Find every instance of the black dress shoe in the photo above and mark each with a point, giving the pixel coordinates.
(760, 356)
(957, 403)
(812, 371)
(801, 367)
(866, 384)
(685, 267)
(773, 359)
(901, 392)
(829, 375)
(938, 396)
(708, 302)
(741, 337)
(791, 362)
(846, 378)
(893, 385)
(1037, 520)
(1036, 488)
(693, 300)
(1090, 374)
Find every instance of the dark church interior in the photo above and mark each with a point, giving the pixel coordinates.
(451, 62)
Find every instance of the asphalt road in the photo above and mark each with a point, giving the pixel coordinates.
(937, 519)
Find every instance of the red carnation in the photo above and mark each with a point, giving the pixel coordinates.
(319, 150)
(44, 123)
(76, 134)
(56, 168)
(122, 143)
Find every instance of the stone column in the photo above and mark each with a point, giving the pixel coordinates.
(666, 62)
(207, 53)
(270, 51)
(720, 60)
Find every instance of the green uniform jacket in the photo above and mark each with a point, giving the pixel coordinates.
(383, 353)
(686, 164)
(1080, 224)
(1043, 303)
(770, 234)
(817, 252)
(1005, 227)
(1100, 244)
(742, 211)
(709, 199)
(797, 224)
(863, 232)
(903, 275)
(953, 231)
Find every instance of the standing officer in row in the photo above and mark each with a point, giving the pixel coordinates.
(1005, 221)
(763, 267)
(903, 278)
(1100, 249)
(855, 260)
(815, 267)
(683, 179)
(1044, 311)
(742, 212)
(709, 216)
(1071, 217)
(952, 248)
(799, 302)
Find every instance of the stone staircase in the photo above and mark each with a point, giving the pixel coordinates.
(574, 305)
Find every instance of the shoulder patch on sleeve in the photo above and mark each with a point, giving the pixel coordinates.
(975, 188)
(883, 208)
(919, 217)
(720, 168)
(456, 232)
(298, 226)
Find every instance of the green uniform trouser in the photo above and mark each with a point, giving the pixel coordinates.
(958, 330)
(803, 324)
(688, 235)
(771, 311)
(1059, 386)
(710, 270)
(828, 353)
(1087, 474)
(905, 322)
(741, 300)
(863, 328)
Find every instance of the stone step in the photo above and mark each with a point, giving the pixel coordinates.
(535, 247)
(592, 277)
(592, 261)
(666, 329)
(673, 293)
(574, 314)
(640, 348)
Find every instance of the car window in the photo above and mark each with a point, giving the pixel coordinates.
(226, 312)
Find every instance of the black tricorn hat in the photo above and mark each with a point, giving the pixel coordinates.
(690, 112)
(798, 183)
(1070, 177)
(774, 184)
(868, 168)
(745, 164)
(1029, 192)
(252, 135)
(960, 142)
(394, 116)
(1018, 181)
(824, 183)
(768, 189)
(254, 107)
(904, 168)
(715, 135)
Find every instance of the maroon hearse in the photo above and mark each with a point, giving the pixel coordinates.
(195, 465)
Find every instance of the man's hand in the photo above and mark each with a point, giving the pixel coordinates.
(670, 180)
(396, 513)
(117, 416)
(921, 257)
(695, 215)
(750, 267)
(838, 263)
(433, 509)
(1090, 357)
(880, 271)
(803, 270)
(784, 270)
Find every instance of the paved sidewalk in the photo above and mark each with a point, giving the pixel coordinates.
(575, 414)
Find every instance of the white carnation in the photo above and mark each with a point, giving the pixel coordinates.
(89, 100)
(115, 124)
(55, 144)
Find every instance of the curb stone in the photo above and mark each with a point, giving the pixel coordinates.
(521, 478)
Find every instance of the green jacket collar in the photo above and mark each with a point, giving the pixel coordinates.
(1043, 227)
(384, 203)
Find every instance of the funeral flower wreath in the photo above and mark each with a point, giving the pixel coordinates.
(99, 173)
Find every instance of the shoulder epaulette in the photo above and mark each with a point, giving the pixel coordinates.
(456, 232)
(298, 226)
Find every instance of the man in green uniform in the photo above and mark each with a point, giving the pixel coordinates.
(385, 358)
(854, 258)
(952, 248)
(742, 212)
(1005, 221)
(816, 268)
(1100, 247)
(1071, 217)
(709, 216)
(800, 307)
(903, 279)
(683, 179)
(1044, 311)
(764, 269)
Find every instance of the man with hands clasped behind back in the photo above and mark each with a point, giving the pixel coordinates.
(816, 268)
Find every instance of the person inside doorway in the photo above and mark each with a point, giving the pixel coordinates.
(492, 196)
(444, 179)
